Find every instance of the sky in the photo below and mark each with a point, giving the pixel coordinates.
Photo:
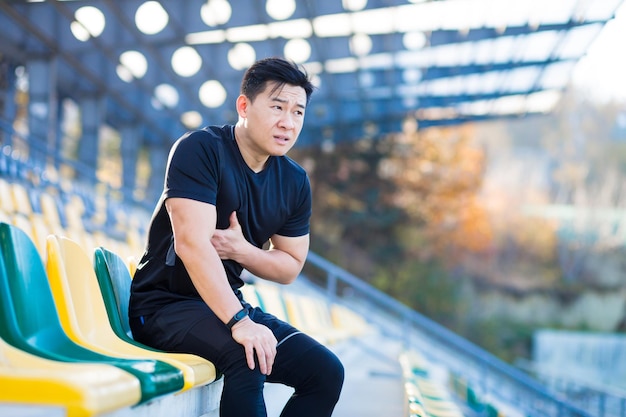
(602, 72)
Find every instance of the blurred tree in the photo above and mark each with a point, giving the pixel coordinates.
(400, 211)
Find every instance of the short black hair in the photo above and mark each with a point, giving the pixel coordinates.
(276, 70)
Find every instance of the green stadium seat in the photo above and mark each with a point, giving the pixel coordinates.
(80, 389)
(112, 284)
(29, 320)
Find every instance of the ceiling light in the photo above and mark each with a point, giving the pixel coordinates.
(247, 33)
(241, 56)
(191, 119)
(215, 12)
(280, 9)
(332, 25)
(209, 36)
(291, 29)
(353, 5)
(79, 31)
(151, 17)
(167, 95)
(89, 22)
(135, 62)
(124, 74)
(360, 44)
(186, 61)
(412, 75)
(340, 65)
(414, 40)
(212, 94)
(297, 50)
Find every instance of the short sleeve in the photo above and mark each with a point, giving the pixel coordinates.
(193, 167)
(298, 223)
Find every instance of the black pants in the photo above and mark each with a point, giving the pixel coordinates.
(311, 369)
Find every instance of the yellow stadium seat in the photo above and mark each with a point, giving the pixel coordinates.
(132, 265)
(272, 300)
(50, 210)
(74, 211)
(84, 316)
(6, 199)
(81, 389)
(40, 232)
(311, 315)
(345, 319)
(22, 222)
(21, 200)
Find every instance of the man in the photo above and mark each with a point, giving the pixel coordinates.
(229, 190)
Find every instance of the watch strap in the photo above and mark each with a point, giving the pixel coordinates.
(240, 315)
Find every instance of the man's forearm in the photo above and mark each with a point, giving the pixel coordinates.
(209, 278)
(273, 264)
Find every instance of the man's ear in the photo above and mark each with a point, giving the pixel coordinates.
(242, 105)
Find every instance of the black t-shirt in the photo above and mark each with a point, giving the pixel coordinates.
(206, 165)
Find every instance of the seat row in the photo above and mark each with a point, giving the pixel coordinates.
(64, 331)
(57, 342)
(481, 404)
(427, 396)
(40, 212)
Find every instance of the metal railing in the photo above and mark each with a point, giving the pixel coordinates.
(489, 376)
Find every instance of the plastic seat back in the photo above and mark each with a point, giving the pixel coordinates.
(73, 283)
(27, 312)
(114, 280)
(29, 319)
(113, 283)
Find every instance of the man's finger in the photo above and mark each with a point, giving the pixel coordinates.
(260, 353)
(250, 356)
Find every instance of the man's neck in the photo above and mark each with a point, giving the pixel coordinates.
(254, 161)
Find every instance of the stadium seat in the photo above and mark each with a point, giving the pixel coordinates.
(423, 392)
(6, 199)
(272, 301)
(250, 295)
(29, 320)
(21, 199)
(84, 315)
(50, 210)
(113, 286)
(348, 320)
(81, 390)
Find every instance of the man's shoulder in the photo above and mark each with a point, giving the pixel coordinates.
(210, 137)
(209, 134)
(290, 164)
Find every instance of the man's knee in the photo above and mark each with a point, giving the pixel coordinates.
(329, 371)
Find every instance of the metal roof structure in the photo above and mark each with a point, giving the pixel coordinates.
(376, 62)
(168, 65)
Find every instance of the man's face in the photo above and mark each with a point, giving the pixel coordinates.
(275, 118)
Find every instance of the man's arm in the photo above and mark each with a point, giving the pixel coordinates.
(281, 263)
(193, 224)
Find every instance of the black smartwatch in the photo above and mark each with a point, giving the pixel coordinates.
(240, 315)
